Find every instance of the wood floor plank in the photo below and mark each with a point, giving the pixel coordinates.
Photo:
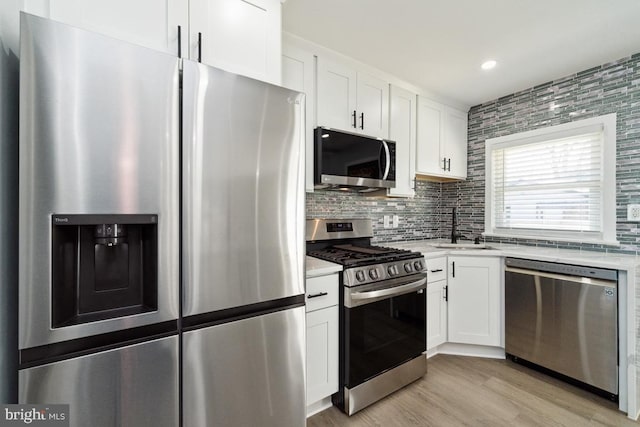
(468, 391)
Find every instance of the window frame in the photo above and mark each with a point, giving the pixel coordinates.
(607, 235)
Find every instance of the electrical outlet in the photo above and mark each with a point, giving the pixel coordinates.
(388, 221)
(396, 221)
(633, 212)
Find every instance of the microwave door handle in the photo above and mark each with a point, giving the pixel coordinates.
(387, 161)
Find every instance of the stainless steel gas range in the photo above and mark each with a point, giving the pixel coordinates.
(382, 311)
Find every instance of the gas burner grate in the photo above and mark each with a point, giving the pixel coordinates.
(353, 255)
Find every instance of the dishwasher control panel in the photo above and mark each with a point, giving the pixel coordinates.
(567, 269)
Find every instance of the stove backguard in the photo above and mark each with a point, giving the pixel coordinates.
(103, 266)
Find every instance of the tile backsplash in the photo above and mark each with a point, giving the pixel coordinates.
(419, 217)
(610, 88)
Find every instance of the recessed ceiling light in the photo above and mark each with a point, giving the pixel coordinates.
(487, 65)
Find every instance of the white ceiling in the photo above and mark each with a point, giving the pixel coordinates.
(438, 45)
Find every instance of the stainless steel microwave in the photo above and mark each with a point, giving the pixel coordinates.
(345, 160)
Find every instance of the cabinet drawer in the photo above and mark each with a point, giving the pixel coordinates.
(436, 269)
(322, 292)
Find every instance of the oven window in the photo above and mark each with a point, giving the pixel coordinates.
(382, 335)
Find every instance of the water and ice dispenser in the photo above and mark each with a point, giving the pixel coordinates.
(104, 266)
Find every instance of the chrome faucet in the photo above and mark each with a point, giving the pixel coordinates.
(454, 225)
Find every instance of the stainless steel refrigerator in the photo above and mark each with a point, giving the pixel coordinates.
(161, 237)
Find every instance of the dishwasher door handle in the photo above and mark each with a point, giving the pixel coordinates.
(563, 277)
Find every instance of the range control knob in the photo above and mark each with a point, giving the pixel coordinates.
(418, 265)
(392, 270)
(373, 273)
(360, 276)
(407, 267)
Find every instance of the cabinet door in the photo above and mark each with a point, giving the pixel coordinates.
(298, 74)
(455, 142)
(474, 300)
(150, 23)
(372, 106)
(429, 160)
(336, 95)
(322, 353)
(240, 36)
(436, 314)
(402, 130)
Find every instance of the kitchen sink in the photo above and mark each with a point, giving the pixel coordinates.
(462, 246)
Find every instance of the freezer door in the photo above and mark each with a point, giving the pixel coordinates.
(246, 373)
(98, 135)
(243, 190)
(134, 386)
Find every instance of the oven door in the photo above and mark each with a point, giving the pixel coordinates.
(384, 327)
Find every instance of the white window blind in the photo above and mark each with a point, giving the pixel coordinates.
(550, 185)
(554, 183)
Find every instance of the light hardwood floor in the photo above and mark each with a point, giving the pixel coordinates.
(469, 391)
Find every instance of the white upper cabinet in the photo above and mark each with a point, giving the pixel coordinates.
(442, 141)
(352, 101)
(150, 23)
(372, 106)
(298, 73)
(241, 36)
(455, 142)
(402, 130)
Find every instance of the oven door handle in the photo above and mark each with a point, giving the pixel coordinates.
(361, 297)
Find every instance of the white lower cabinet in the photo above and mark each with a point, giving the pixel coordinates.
(474, 295)
(436, 314)
(322, 353)
(436, 302)
(322, 337)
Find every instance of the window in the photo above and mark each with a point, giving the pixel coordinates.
(556, 183)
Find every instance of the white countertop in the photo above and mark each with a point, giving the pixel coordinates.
(317, 267)
(569, 256)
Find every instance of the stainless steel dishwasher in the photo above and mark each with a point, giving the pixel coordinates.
(564, 318)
